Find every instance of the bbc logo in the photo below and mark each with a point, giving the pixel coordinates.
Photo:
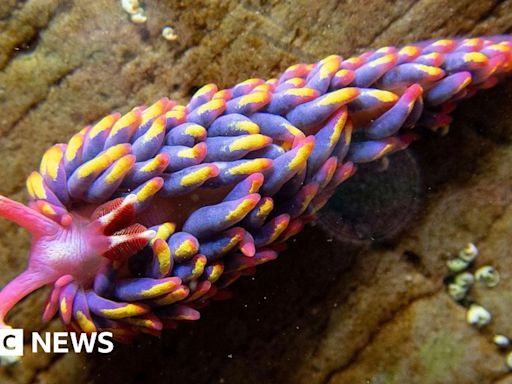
(11, 342)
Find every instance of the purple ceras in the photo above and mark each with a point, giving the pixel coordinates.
(139, 220)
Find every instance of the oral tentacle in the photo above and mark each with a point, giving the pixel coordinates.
(17, 289)
(33, 221)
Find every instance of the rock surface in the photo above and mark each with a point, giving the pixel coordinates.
(328, 311)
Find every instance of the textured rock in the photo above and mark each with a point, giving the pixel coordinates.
(328, 311)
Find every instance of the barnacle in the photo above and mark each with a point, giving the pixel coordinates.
(469, 252)
(508, 360)
(457, 292)
(478, 316)
(169, 34)
(457, 264)
(501, 341)
(140, 220)
(464, 279)
(488, 276)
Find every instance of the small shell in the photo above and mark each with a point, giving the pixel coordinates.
(169, 34)
(457, 292)
(464, 280)
(469, 253)
(457, 265)
(139, 17)
(478, 316)
(488, 275)
(501, 341)
(508, 360)
(130, 6)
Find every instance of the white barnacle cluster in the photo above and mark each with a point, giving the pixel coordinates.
(465, 257)
(135, 10)
(459, 287)
(138, 16)
(464, 279)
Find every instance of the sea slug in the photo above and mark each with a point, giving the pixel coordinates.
(140, 220)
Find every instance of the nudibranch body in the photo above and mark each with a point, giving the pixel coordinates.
(140, 220)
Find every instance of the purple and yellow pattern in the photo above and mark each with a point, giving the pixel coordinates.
(142, 219)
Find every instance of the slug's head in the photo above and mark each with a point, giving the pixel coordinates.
(69, 247)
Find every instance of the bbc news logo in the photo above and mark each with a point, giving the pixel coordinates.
(12, 341)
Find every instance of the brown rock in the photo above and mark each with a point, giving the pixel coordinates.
(327, 311)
